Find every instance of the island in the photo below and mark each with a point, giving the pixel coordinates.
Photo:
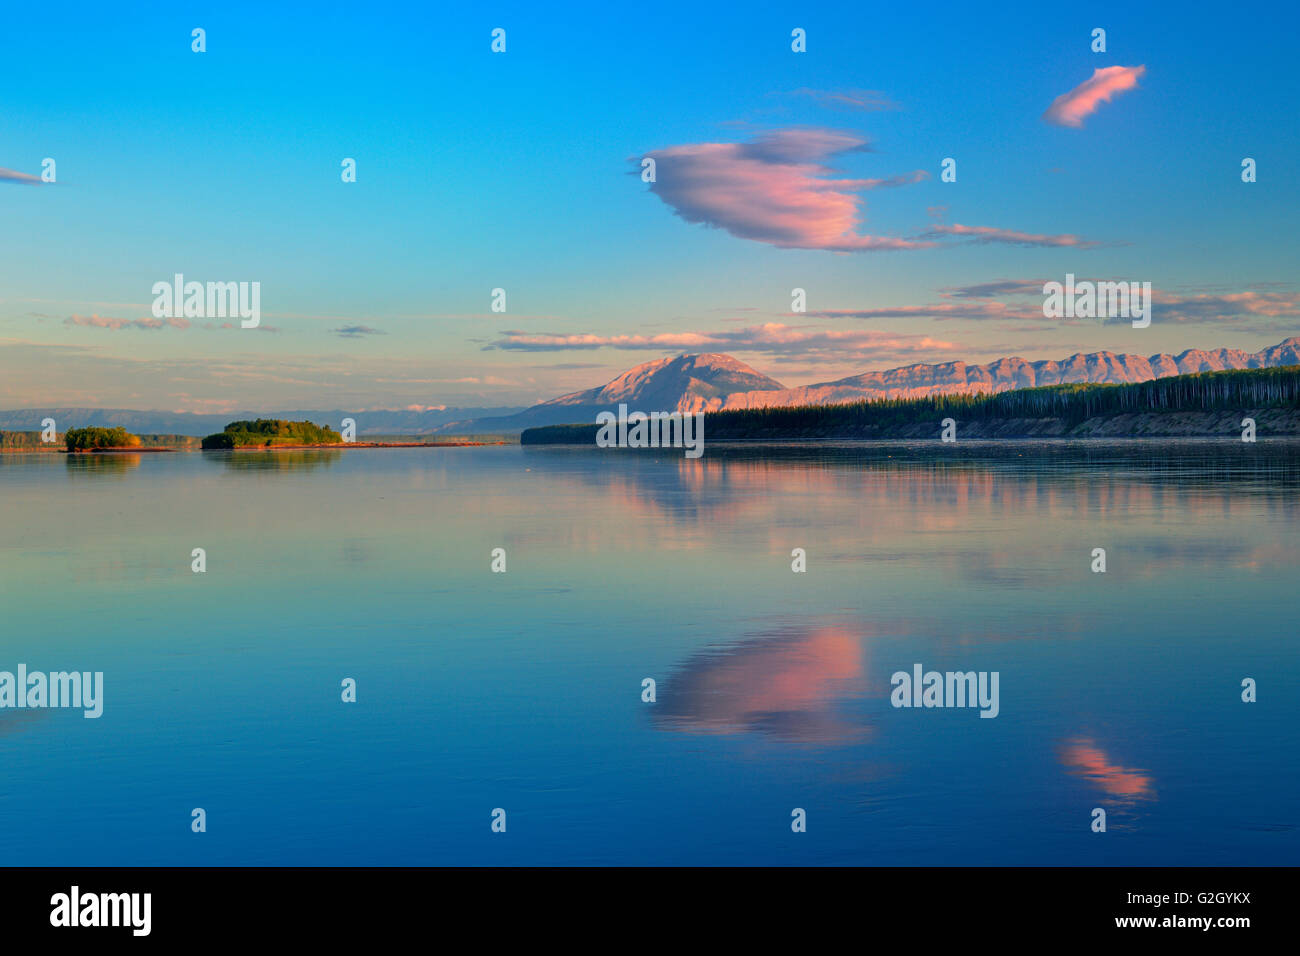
(272, 433)
(269, 434)
(98, 439)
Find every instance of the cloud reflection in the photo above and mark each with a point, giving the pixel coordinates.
(785, 686)
(1082, 757)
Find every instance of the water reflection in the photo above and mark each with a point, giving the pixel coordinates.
(111, 463)
(1082, 757)
(785, 685)
(297, 459)
(1056, 479)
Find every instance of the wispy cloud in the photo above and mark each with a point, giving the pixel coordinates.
(987, 290)
(771, 337)
(859, 101)
(1227, 306)
(151, 324)
(984, 301)
(108, 322)
(13, 176)
(989, 234)
(776, 189)
(941, 311)
(356, 331)
(1072, 108)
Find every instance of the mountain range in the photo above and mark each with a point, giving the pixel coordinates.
(713, 382)
(701, 383)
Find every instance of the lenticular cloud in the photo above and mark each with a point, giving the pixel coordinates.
(1072, 108)
(775, 189)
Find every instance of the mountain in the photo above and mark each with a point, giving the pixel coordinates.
(696, 383)
(917, 381)
(687, 383)
(713, 382)
(954, 377)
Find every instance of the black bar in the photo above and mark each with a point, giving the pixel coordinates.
(333, 906)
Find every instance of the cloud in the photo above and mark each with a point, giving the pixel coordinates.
(12, 176)
(356, 331)
(1072, 108)
(988, 301)
(153, 324)
(1216, 308)
(775, 189)
(1221, 306)
(987, 234)
(771, 337)
(861, 101)
(986, 290)
(940, 312)
(107, 322)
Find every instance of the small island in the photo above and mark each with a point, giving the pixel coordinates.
(265, 434)
(272, 433)
(98, 439)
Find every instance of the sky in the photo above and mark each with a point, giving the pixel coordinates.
(522, 170)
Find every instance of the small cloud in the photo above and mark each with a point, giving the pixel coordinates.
(1072, 108)
(356, 331)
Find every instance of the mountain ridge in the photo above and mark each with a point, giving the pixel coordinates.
(704, 382)
(909, 381)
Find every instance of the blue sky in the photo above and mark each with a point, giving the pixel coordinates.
(519, 170)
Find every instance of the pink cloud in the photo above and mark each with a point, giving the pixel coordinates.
(1072, 108)
(775, 189)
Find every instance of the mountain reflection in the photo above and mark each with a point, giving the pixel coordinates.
(1055, 480)
(784, 685)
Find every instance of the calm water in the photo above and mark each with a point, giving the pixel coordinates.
(523, 690)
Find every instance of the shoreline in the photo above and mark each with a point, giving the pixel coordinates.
(361, 444)
(260, 448)
(114, 450)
